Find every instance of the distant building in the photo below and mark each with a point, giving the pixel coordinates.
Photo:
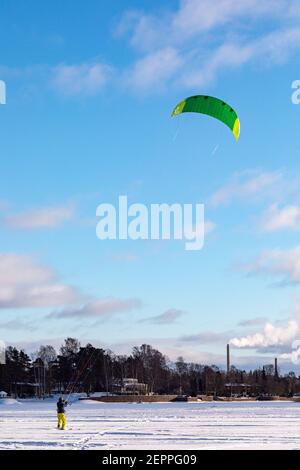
(26, 389)
(129, 386)
(241, 389)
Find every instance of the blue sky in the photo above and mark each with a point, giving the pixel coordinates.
(90, 89)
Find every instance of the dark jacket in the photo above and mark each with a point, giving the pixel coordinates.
(61, 404)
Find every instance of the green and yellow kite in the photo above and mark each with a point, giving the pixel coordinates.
(213, 107)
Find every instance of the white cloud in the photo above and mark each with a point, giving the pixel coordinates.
(275, 47)
(201, 47)
(23, 269)
(186, 47)
(26, 283)
(70, 80)
(275, 218)
(81, 79)
(99, 308)
(270, 336)
(250, 183)
(165, 318)
(253, 321)
(206, 337)
(16, 324)
(47, 217)
(209, 226)
(154, 69)
(279, 263)
(227, 55)
(193, 18)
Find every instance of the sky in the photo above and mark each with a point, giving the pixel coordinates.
(90, 89)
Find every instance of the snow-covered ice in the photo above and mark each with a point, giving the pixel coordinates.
(93, 425)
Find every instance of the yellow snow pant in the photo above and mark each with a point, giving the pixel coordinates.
(61, 420)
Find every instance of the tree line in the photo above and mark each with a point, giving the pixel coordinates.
(76, 368)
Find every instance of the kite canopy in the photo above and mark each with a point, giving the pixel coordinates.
(212, 107)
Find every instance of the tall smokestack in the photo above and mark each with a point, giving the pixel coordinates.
(276, 367)
(228, 359)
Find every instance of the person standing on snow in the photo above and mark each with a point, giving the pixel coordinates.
(61, 417)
